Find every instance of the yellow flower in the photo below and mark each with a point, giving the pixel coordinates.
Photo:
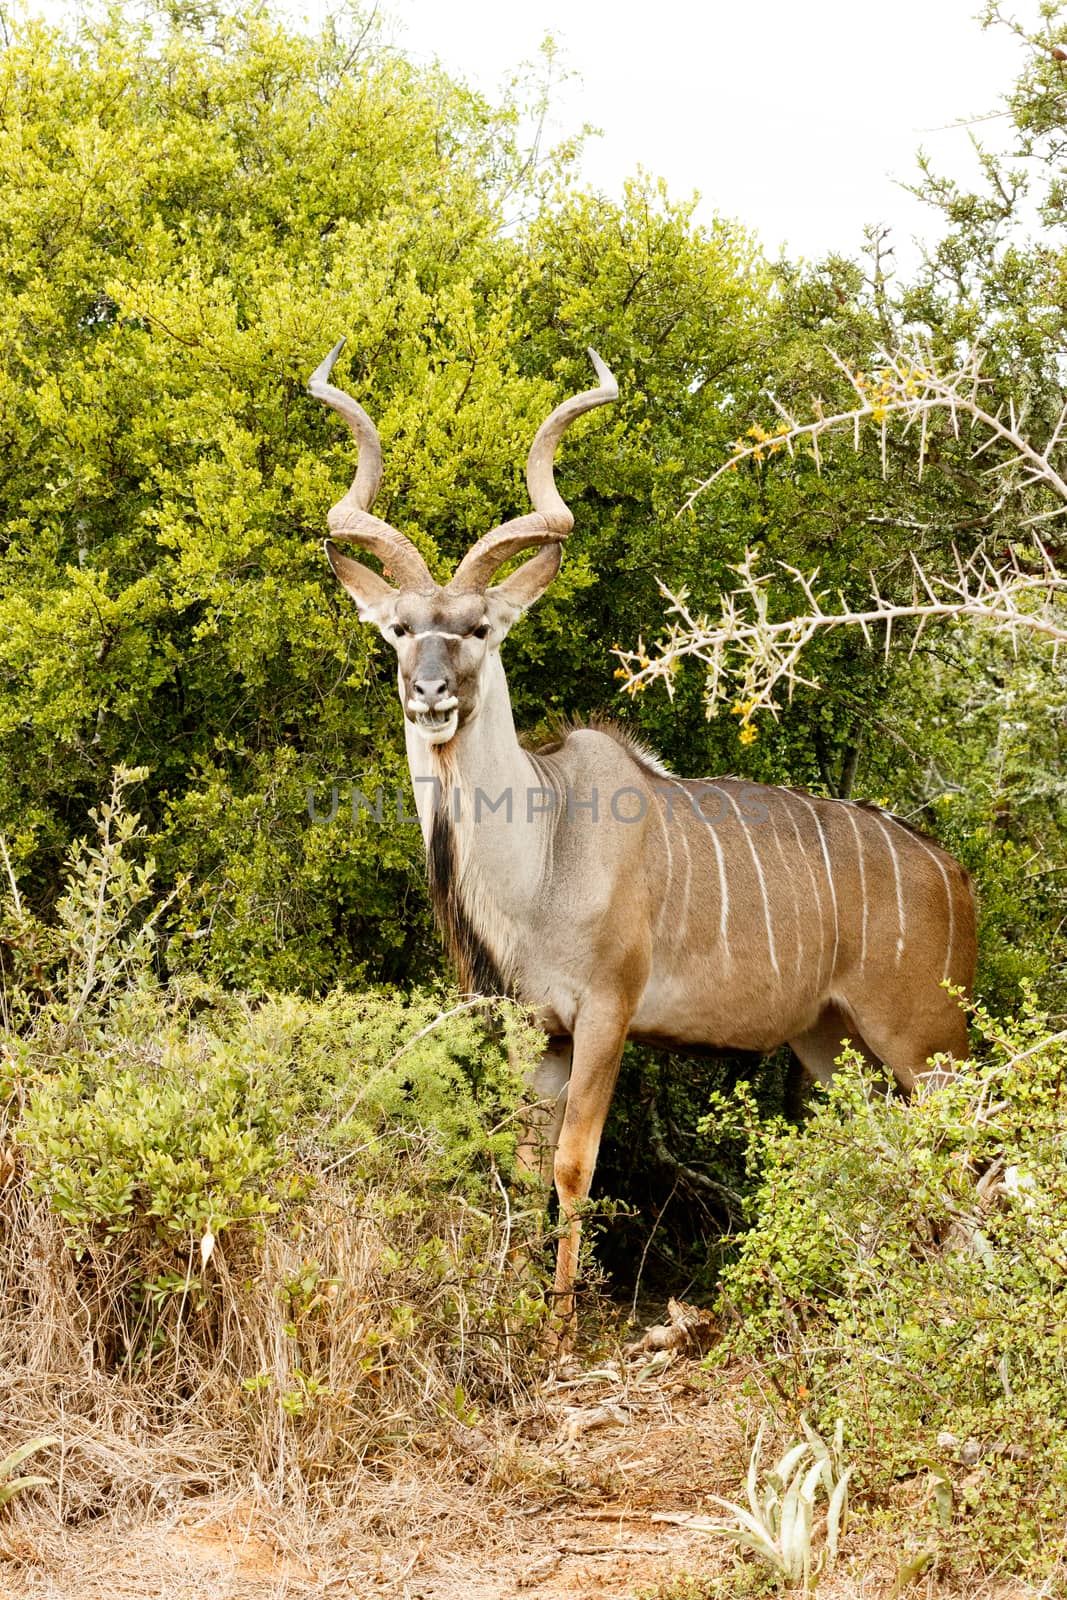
(748, 734)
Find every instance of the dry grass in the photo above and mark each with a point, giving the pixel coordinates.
(523, 1504)
(274, 1385)
(182, 1474)
(466, 1511)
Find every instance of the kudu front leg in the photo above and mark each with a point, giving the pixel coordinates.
(598, 1040)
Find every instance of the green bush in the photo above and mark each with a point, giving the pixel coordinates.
(906, 1270)
(276, 1215)
(220, 1116)
(180, 1105)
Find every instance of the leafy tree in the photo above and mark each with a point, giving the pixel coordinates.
(189, 217)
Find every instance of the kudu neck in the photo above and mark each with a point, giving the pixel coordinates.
(484, 760)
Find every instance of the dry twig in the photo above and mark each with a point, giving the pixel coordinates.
(1014, 595)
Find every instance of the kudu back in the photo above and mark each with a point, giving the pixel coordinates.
(614, 899)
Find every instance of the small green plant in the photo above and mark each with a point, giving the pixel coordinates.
(683, 1586)
(9, 1486)
(779, 1524)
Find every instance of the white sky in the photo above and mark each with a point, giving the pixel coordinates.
(801, 118)
(795, 116)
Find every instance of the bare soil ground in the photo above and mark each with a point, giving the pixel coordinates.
(586, 1495)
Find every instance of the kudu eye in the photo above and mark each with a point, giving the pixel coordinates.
(481, 631)
(399, 630)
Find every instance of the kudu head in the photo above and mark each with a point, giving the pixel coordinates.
(445, 634)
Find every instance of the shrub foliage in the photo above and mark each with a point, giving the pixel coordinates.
(905, 1271)
(276, 1229)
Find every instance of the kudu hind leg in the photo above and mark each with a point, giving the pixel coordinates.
(542, 1121)
(908, 1041)
(819, 1046)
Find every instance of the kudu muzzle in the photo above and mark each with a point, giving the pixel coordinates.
(431, 701)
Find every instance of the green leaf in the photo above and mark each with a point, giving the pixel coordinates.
(23, 1451)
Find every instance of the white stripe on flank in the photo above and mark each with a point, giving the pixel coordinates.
(724, 889)
(762, 884)
(665, 902)
(684, 918)
(802, 849)
(896, 879)
(851, 815)
(788, 871)
(724, 896)
(829, 875)
(932, 853)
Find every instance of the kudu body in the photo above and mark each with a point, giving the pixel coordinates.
(616, 900)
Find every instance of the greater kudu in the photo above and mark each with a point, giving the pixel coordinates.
(616, 900)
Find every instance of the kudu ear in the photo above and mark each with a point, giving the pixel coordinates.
(508, 600)
(368, 589)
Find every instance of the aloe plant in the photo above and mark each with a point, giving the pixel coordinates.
(10, 1486)
(779, 1523)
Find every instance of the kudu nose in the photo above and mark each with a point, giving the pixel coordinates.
(430, 690)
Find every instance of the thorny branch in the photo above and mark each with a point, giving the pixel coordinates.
(748, 647)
